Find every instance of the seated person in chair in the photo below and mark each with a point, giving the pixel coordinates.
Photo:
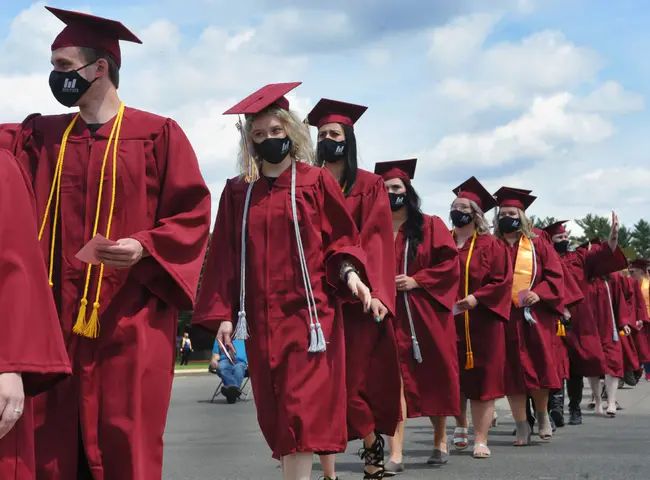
(231, 370)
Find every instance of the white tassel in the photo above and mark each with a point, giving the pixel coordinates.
(313, 339)
(241, 330)
(321, 346)
(417, 354)
(616, 338)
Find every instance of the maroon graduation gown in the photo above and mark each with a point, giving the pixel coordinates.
(612, 349)
(120, 392)
(529, 348)
(300, 396)
(431, 388)
(583, 340)
(372, 365)
(640, 337)
(31, 340)
(490, 281)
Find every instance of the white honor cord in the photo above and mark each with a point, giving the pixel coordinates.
(316, 337)
(527, 313)
(417, 354)
(241, 331)
(615, 337)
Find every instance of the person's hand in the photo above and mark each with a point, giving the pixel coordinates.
(12, 401)
(125, 254)
(467, 303)
(639, 324)
(567, 314)
(627, 330)
(378, 309)
(613, 234)
(404, 283)
(224, 335)
(359, 290)
(531, 299)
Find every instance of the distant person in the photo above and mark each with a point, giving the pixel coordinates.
(231, 368)
(186, 349)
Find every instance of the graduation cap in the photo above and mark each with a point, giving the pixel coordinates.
(514, 197)
(84, 30)
(402, 169)
(332, 111)
(556, 228)
(640, 263)
(472, 189)
(272, 94)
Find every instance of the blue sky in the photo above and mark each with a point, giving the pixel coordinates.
(541, 94)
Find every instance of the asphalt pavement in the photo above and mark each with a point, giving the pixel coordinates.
(205, 441)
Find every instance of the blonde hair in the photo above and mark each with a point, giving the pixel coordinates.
(301, 151)
(480, 222)
(526, 228)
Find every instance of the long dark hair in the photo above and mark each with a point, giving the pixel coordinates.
(414, 225)
(350, 171)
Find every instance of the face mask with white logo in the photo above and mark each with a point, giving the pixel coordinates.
(397, 201)
(331, 151)
(69, 87)
(273, 150)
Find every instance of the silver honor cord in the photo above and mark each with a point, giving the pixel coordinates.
(317, 338)
(615, 337)
(417, 354)
(528, 315)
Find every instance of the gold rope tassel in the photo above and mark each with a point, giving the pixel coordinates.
(469, 362)
(561, 331)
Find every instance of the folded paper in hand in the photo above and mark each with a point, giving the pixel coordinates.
(88, 254)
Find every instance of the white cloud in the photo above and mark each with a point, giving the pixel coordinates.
(609, 98)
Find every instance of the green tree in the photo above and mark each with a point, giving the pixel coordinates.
(641, 238)
(594, 226)
(624, 237)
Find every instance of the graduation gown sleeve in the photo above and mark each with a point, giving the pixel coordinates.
(551, 289)
(601, 260)
(495, 293)
(32, 343)
(440, 279)
(177, 243)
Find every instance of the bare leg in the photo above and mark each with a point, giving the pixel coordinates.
(329, 465)
(594, 383)
(482, 415)
(541, 405)
(440, 433)
(297, 466)
(518, 407)
(462, 420)
(611, 386)
(396, 443)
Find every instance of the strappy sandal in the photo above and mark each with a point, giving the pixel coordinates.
(373, 457)
(481, 450)
(461, 438)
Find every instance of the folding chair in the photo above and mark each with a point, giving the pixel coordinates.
(245, 388)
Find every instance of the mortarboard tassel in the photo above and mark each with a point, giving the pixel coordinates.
(561, 331)
(241, 330)
(417, 354)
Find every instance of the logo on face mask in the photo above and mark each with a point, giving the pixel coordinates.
(286, 146)
(70, 86)
(340, 149)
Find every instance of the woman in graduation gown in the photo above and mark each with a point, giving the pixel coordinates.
(426, 264)
(373, 400)
(283, 245)
(537, 297)
(33, 356)
(483, 308)
(639, 274)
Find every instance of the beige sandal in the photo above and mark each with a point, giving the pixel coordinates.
(461, 438)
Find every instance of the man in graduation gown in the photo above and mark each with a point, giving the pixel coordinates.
(130, 176)
(640, 302)
(32, 353)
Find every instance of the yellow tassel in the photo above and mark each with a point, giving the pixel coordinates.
(92, 328)
(469, 364)
(561, 331)
(621, 333)
(80, 326)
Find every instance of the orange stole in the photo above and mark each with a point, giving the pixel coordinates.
(523, 276)
(645, 288)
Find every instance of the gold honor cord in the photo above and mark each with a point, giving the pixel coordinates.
(469, 363)
(90, 328)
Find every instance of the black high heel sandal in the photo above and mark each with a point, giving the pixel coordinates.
(374, 457)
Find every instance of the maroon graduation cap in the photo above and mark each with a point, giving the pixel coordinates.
(332, 111)
(514, 197)
(402, 169)
(273, 94)
(473, 190)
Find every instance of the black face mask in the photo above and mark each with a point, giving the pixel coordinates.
(273, 150)
(509, 224)
(561, 247)
(69, 87)
(460, 219)
(331, 151)
(397, 201)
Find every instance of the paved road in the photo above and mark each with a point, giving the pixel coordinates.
(222, 442)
